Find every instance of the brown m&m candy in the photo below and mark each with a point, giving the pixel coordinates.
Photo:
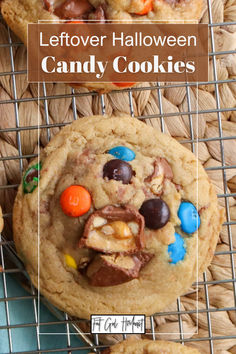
(118, 170)
(155, 212)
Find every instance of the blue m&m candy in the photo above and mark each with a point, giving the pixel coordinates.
(122, 153)
(177, 249)
(189, 217)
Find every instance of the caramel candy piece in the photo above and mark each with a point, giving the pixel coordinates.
(109, 270)
(114, 230)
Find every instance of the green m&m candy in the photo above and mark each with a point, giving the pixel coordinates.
(31, 178)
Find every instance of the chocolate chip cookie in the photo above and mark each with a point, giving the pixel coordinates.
(19, 13)
(145, 346)
(119, 218)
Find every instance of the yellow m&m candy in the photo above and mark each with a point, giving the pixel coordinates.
(70, 262)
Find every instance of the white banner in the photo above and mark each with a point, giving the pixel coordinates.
(119, 324)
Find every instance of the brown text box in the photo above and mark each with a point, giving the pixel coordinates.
(90, 52)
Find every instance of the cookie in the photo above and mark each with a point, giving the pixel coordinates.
(19, 13)
(127, 218)
(145, 346)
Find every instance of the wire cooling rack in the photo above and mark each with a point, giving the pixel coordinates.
(7, 250)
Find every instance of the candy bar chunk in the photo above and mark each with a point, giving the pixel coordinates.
(114, 230)
(161, 171)
(109, 270)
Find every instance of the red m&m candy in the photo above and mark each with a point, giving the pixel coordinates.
(75, 201)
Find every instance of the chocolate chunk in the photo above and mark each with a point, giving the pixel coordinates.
(99, 14)
(73, 9)
(114, 230)
(203, 208)
(109, 270)
(161, 166)
(156, 213)
(118, 170)
(50, 5)
(106, 351)
(143, 257)
(178, 187)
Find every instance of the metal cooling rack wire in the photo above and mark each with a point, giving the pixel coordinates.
(7, 248)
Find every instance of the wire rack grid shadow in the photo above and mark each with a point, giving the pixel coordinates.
(71, 326)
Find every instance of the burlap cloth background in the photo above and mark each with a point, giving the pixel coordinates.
(144, 103)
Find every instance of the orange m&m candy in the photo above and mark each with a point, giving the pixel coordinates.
(148, 6)
(124, 84)
(75, 201)
(75, 21)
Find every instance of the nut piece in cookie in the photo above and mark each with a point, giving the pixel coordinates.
(108, 270)
(114, 229)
